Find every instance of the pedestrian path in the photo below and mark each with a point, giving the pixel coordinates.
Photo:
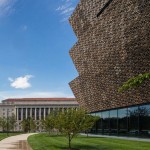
(18, 142)
(120, 137)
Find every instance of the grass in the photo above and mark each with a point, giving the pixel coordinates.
(4, 135)
(46, 142)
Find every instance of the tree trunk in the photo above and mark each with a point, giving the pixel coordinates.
(69, 140)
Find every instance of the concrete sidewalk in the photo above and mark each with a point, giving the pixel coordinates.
(120, 137)
(18, 142)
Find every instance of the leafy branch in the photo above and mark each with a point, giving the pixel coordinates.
(134, 82)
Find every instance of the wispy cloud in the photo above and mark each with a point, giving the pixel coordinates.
(65, 9)
(24, 27)
(20, 82)
(6, 7)
(36, 94)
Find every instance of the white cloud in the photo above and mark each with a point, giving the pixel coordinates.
(66, 9)
(20, 82)
(36, 94)
(6, 7)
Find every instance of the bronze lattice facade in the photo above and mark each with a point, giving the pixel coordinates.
(111, 48)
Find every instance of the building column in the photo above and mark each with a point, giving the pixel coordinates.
(40, 113)
(31, 112)
(44, 112)
(35, 114)
(48, 110)
(21, 113)
(17, 114)
(26, 113)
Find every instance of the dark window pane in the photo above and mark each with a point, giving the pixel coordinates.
(105, 122)
(37, 114)
(99, 123)
(144, 126)
(42, 113)
(123, 121)
(133, 113)
(24, 113)
(46, 111)
(113, 121)
(19, 114)
(33, 113)
(28, 112)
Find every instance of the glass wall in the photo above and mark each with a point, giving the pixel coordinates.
(144, 119)
(105, 122)
(99, 123)
(122, 121)
(113, 122)
(93, 130)
(133, 121)
(129, 121)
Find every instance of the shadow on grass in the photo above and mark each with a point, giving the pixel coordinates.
(53, 135)
(91, 137)
(82, 147)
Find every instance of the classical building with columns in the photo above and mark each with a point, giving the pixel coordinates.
(36, 108)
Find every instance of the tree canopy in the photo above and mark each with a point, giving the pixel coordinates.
(28, 124)
(70, 122)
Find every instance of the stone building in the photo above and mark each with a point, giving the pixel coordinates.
(113, 45)
(36, 108)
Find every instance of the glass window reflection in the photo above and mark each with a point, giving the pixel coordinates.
(113, 122)
(144, 118)
(105, 122)
(133, 121)
(99, 123)
(122, 121)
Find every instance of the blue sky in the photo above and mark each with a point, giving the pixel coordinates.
(35, 39)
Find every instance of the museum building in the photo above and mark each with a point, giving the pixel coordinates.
(113, 45)
(35, 108)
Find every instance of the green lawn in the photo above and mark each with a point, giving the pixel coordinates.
(45, 142)
(4, 135)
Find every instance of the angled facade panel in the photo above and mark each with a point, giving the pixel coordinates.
(110, 49)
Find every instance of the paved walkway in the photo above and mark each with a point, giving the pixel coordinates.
(18, 142)
(120, 137)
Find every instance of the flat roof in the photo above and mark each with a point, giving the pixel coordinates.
(38, 99)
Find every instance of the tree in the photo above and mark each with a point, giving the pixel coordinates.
(50, 122)
(8, 124)
(3, 123)
(25, 125)
(28, 124)
(134, 82)
(89, 122)
(11, 122)
(71, 122)
(32, 125)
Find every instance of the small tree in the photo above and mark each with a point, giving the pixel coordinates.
(134, 82)
(28, 124)
(25, 125)
(32, 125)
(11, 122)
(3, 123)
(89, 122)
(50, 122)
(72, 122)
